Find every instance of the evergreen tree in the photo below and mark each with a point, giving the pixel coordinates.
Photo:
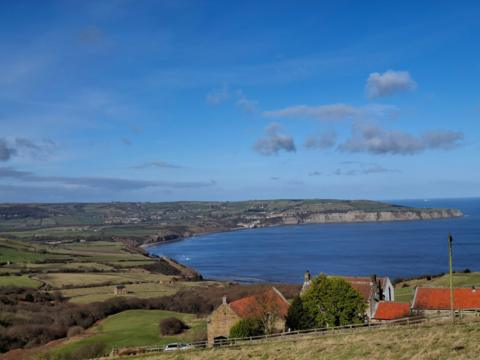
(298, 317)
(333, 302)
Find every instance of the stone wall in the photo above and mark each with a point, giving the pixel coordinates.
(220, 322)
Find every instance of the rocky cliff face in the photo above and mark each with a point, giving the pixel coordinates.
(364, 216)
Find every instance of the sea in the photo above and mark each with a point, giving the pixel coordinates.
(400, 249)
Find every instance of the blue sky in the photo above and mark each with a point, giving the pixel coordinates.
(190, 100)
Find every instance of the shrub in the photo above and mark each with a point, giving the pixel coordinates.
(74, 331)
(172, 326)
(88, 351)
(246, 328)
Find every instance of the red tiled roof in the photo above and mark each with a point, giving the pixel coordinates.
(269, 301)
(390, 310)
(366, 290)
(439, 299)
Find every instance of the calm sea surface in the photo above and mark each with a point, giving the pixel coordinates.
(282, 254)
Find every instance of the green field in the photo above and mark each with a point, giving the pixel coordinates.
(137, 328)
(20, 256)
(19, 281)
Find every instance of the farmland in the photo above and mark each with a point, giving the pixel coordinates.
(87, 271)
(135, 328)
(155, 222)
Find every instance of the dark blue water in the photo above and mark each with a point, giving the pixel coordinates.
(282, 254)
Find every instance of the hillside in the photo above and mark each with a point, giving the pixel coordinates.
(152, 222)
(429, 341)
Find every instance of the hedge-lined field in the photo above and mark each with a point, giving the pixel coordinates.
(136, 328)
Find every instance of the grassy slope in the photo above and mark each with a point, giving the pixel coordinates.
(136, 328)
(432, 341)
(404, 290)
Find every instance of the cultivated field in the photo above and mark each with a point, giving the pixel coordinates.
(19, 281)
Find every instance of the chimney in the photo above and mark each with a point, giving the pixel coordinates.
(474, 289)
(224, 300)
(373, 279)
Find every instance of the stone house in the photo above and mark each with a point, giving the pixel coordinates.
(270, 304)
(119, 290)
(374, 290)
(432, 301)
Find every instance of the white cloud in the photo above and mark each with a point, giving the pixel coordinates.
(332, 112)
(217, 96)
(389, 83)
(274, 142)
(244, 103)
(371, 138)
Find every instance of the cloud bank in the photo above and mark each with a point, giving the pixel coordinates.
(19, 146)
(326, 140)
(156, 164)
(98, 183)
(332, 112)
(372, 139)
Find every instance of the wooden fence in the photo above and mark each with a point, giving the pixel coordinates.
(286, 336)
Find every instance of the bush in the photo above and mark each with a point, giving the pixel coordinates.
(88, 351)
(333, 302)
(74, 331)
(298, 318)
(246, 328)
(172, 326)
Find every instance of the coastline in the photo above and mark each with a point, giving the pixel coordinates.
(159, 243)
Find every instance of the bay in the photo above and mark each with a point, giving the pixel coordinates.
(282, 254)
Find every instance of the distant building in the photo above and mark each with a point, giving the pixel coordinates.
(270, 303)
(119, 290)
(437, 300)
(373, 289)
(391, 310)
(307, 282)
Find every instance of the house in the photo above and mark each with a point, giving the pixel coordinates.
(437, 300)
(119, 290)
(270, 303)
(384, 287)
(391, 310)
(372, 289)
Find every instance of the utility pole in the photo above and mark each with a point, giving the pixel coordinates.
(450, 240)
